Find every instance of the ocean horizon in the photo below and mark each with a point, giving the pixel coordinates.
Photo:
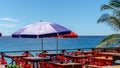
(7, 43)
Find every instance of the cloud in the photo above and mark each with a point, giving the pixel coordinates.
(8, 25)
(9, 19)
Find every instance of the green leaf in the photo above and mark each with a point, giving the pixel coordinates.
(109, 40)
(106, 7)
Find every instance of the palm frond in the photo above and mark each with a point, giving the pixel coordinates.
(105, 7)
(118, 14)
(113, 21)
(115, 3)
(104, 18)
(110, 37)
(109, 42)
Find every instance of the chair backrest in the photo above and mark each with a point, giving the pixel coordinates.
(63, 52)
(40, 55)
(28, 54)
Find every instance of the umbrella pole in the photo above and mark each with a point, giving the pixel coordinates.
(42, 44)
(57, 45)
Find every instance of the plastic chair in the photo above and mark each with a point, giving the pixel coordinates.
(63, 52)
(108, 63)
(61, 58)
(28, 66)
(40, 55)
(28, 54)
(101, 62)
(72, 53)
(43, 65)
(3, 61)
(92, 61)
(51, 66)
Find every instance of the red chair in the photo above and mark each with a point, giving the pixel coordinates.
(28, 54)
(63, 52)
(43, 65)
(78, 53)
(92, 61)
(61, 58)
(108, 63)
(83, 61)
(3, 61)
(28, 66)
(40, 55)
(23, 63)
(71, 53)
(100, 62)
(58, 57)
(51, 66)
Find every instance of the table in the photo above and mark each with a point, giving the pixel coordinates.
(76, 57)
(67, 65)
(101, 61)
(93, 66)
(108, 53)
(51, 54)
(115, 66)
(35, 60)
(87, 52)
(14, 57)
(103, 58)
(81, 52)
(2, 66)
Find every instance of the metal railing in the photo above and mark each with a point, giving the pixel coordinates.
(3, 53)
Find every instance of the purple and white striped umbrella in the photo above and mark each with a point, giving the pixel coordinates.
(41, 30)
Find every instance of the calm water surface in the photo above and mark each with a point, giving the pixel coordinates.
(8, 43)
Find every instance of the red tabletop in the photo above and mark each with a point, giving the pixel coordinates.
(14, 57)
(35, 60)
(109, 53)
(66, 65)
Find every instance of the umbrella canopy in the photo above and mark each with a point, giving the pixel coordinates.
(71, 35)
(41, 30)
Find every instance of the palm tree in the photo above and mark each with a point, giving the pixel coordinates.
(112, 20)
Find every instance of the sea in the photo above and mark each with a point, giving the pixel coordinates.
(7, 43)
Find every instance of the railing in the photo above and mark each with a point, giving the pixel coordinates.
(59, 50)
(33, 52)
(83, 49)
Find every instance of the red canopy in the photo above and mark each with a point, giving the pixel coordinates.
(71, 35)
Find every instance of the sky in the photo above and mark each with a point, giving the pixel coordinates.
(78, 15)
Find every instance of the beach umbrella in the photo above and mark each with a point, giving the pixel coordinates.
(41, 30)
